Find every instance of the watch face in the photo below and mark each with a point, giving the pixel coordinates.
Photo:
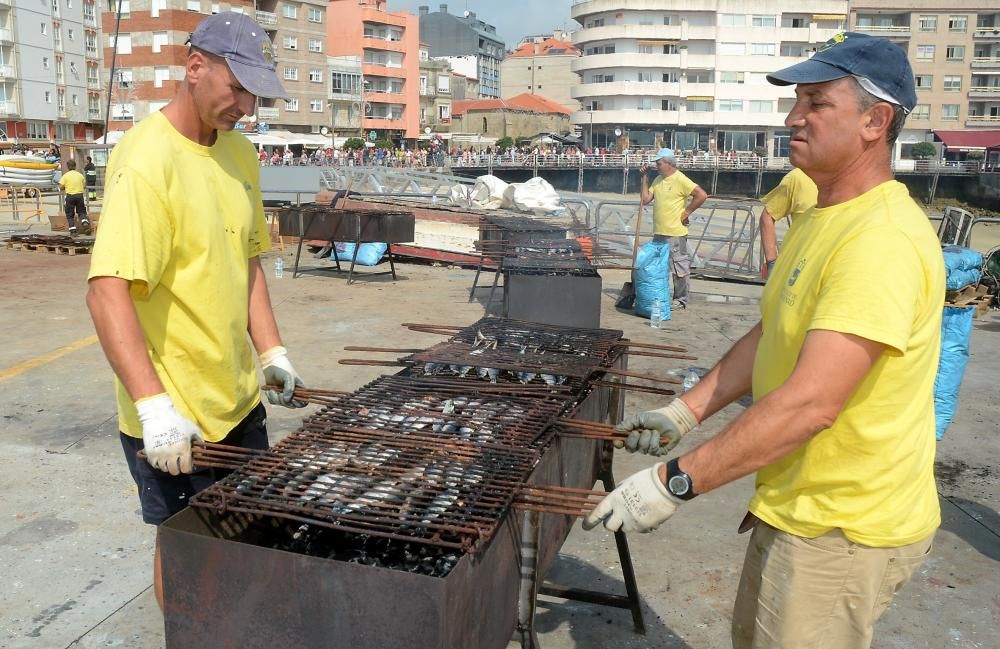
(678, 485)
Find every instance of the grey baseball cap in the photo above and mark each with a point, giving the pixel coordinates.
(245, 46)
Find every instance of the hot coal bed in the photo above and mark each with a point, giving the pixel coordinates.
(388, 518)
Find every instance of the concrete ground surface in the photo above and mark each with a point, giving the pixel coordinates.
(75, 556)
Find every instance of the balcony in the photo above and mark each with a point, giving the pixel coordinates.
(267, 19)
(395, 123)
(93, 84)
(8, 108)
(981, 62)
(94, 114)
(989, 121)
(984, 92)
(987, 33)
(374, 16)
(892, 32)
(385, 97)
(378, 43)
(642, 32)
(625, 60)
(88, 19)
(267, 113)
(625, 88)
(376, 70)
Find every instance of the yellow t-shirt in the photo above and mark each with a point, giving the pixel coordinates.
(670, 195)
(795, 194)
(870, 267)
(180, 222)
(72, 182)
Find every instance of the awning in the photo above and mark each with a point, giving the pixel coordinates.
(968, 140)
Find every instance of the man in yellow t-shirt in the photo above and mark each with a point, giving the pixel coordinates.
(176, 282)
(72, 184)
(841, 367)
(795, 194)
(671, 211)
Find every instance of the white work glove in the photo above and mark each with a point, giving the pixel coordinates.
(166, 435)
(278, 371)
(647, 429)
(639, 504)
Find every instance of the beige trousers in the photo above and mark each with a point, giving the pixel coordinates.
(821, 593)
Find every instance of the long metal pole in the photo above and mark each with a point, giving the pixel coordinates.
(111, 78)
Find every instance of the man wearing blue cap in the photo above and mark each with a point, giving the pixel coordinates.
(841, 367)
(175, 279)
(671, 212)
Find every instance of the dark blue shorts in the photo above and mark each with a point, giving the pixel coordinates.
(162, 495)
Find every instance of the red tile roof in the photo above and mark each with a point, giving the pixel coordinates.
(524, 102)
(969, 139)
(548, 47)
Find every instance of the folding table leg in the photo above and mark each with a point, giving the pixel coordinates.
(392, 266)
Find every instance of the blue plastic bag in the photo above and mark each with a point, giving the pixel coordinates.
(652, 279)
(369, 254)
(956, 329)
(963, 267)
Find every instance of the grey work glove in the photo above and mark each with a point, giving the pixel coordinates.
(166, 435)
(656, 432)
(639, 504)
(278, 371)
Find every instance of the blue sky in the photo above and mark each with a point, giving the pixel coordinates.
(513, 19)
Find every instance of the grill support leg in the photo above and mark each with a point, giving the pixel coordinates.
(528, 592)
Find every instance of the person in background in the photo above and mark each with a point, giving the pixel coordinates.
(72, 183)
(795, 194)
(841, 367)
(90, 174)
(671, 212)
(176, 284)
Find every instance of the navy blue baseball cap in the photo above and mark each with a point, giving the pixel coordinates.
(245, 46)
(880, 66)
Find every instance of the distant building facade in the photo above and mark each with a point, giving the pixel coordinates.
(522, 116)
(449, 35)
(388, 45)
(691, 75)
(436, 87)
(541, 65)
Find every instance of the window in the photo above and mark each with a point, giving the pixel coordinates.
(70, 34)
(667, 104)
(670, 48)
(928, 23)
(122, 112)
(731, 77)
(45, 63)
(949, 111)
(345, 84)
(444, 113)
(761, 106)
(423, 84)
(126, 7)
(160, 74)
(90, 38)
(48, 96)
(444, 83)
(732, 49)
(924, 81)
(316, 76)
(668, 20)
(292, 105)
(154, 8)
(700, 76)
(315, 45)
(124, 43)
(958, 23)
(699, 105)
(794, 50)
(793, 22)
(732, 20)
(426, 56)
(952, 83)
(194, 5)
(45, 29)
(55, 8)
(38, 130)
(89, 14)
(290, 42)
(921, 111)
(93, 103)
(64, 132)
(730, 105)
(291, 74)
(925, 52)
(955, 53)
(289, 11)
(315, 105)
(123, 78)
(645, 103)
(646, 49)
(762, 49)
(762, 21)
(159, 40)
(645, 19)
(670, 77)
(315, 15)
(644, 75)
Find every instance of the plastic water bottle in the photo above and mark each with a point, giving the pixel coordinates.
(690, 379)
(654, 314)
(279, 268)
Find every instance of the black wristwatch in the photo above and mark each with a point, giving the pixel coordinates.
(679, 483)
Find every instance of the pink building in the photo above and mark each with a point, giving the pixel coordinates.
(388, 45)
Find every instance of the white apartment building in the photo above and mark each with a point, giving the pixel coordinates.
(690, 74)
